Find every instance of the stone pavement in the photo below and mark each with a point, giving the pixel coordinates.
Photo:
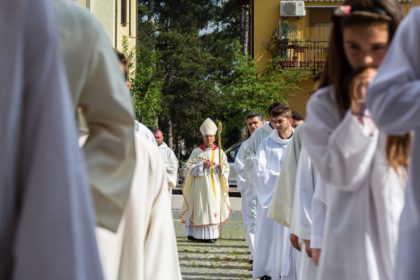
(226, 259)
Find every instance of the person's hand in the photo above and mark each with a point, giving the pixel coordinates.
(358, 88)
(316, 255)
(219, 168)
(295, 241)
(308, 247)
(207, 163)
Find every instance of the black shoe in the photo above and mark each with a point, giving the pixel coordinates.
(208, 240)
(191, 238)
(265, 277)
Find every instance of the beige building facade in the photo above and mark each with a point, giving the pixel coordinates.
(306, 41)
(118, 17)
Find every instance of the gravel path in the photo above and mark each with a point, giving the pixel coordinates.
(226, 259)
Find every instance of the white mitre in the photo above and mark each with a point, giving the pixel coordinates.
(208, 127)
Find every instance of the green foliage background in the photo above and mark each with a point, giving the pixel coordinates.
(189, 66)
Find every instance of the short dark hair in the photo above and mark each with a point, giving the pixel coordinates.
(282, 111)
(296, 116)
(274, 105)
(124, 62)
(121, 57)
(253, 115)
(156, 130)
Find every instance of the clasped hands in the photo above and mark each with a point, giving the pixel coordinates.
(210, 164)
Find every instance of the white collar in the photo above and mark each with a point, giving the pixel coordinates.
(274, 135)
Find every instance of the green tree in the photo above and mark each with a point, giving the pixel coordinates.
(146, 91)
(190, 67)
(247, 90)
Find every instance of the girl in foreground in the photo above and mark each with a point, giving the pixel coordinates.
(364, 169)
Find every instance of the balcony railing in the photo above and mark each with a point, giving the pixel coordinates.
(303, 54)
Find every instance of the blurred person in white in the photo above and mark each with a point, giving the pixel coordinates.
(394, 102)
(306, 182)
(46, 217)
(143, 244)
(248, 196)
(364, 170)
(103, 101)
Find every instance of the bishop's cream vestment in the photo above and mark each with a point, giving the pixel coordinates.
(46, 213)
(206, 194)
(393, 99)
(365, 195)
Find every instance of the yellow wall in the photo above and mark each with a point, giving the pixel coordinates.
(130, 29)
(266, 15)
(108, 13)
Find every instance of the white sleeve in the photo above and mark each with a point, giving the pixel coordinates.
(340, 150)
(319, 212)
(262, 175)
(197, 169)
(172, 168)
(240, 169)
(394, 96)
(249, 155)
(305, 184)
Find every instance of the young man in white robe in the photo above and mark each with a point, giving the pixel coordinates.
(206, 189)
(250, 149)
(393, 101)
(47, 220)
(169, 158)
(273, 255)
(285, 204)
(248, 194)
(281, 207)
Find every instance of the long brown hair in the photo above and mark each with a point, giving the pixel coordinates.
(337, 68)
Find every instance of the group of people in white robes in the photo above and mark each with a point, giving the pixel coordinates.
(341, 184)
(61, 62)
(345, 203)
(259, 164)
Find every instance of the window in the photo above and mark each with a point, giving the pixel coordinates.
(123, 12)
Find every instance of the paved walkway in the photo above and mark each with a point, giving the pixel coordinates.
(226, 259)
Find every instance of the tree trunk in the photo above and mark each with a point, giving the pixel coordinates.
(170, 134)
(245, 29)
(151, 15)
